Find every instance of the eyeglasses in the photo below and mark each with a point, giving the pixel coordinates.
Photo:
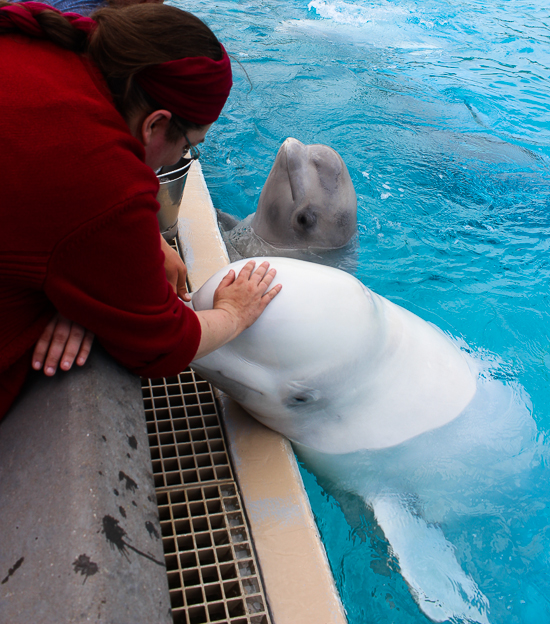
(192, 150)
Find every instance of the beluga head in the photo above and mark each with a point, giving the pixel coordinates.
(308, 200)
(334, 366)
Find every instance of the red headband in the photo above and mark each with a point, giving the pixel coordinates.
(21, 17)
(194, 88)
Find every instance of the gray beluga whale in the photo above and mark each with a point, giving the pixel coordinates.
(385, 407)
(307, 208)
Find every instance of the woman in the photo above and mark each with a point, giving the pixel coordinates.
(90, 108)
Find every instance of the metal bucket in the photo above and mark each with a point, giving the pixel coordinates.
(172, 182)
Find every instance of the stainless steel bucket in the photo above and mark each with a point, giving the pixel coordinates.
(172, 182)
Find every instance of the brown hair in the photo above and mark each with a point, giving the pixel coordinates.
(128, 39)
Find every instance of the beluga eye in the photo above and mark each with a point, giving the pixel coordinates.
(299, 394)
(306, 219)
(299, 398)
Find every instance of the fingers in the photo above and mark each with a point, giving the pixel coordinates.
(85, 348)
(261, 274)
(43, 344)
(181, 280)
(181, 288)
(61, 343)
(268, 278)
(246, 271)
(59, 338)
(176, 271)
(260, 279)
(227, 280)
(271, 294)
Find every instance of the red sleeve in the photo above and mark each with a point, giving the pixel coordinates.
(109, 276)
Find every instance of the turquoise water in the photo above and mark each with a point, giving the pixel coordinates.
(441, 112)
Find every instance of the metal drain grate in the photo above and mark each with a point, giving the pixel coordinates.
(212, 570)
(185, 435)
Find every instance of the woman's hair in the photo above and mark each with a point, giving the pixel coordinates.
(129, 39)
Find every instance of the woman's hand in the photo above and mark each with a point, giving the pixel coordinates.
(62, 341)
(238, 302)
(245, 297)
(175, 269)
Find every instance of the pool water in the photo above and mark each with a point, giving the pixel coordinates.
(441, 112)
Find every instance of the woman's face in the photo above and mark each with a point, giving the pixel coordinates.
(168, 153)
(195, 137)
(152, 133)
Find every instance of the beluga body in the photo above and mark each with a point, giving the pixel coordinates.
(334, 366)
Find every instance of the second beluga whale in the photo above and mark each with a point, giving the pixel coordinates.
(307, 209)
(383, 406)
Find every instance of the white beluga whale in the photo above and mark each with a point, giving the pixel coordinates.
(336, 367)
(382, 406)
(307, 209)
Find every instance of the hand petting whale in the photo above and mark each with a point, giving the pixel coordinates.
(383, 406)
(307, 207)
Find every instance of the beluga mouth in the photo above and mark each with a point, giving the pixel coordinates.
(235, 388)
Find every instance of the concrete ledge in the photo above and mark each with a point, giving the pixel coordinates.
(80, 537)
(297, 577)
(199, 238)
(299, 582)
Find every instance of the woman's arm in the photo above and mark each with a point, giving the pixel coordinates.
(62, 341)
(115, 285)
(238, 302)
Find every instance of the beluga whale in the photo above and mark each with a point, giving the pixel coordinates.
(330, 351)
(385, 409)
(307, 209)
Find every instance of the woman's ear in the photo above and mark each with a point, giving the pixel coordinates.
(154, 127)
